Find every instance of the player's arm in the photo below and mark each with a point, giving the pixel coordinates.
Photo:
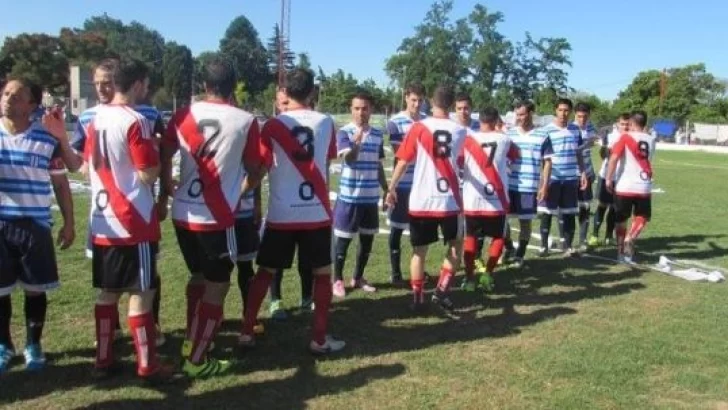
(144, 152)
(57, 128)
(547, 152)
(616, 155)
(380, 171)
(167, 148)
(349, 148)
(64, 198)
(405, 154)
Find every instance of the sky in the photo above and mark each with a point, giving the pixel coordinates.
(611, 41)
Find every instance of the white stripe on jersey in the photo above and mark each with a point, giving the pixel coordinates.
(398, 126)
(565, 144)
(359, 182)
(525, 172)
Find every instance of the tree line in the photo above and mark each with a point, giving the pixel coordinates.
(469, 53)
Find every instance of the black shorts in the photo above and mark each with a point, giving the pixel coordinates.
(486, 226)
(209, 253)
(605, 197)
(125, 267)
(626, 206)
(424, 231)
(27, 257)
(278, 247)
(248, 239)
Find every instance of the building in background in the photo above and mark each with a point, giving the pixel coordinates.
(83, 94)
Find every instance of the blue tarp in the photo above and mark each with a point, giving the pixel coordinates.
(665, 128)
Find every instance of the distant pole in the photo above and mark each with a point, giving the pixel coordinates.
(663, 89)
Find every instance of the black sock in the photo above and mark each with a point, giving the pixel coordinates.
(362, 256)
(395, 237)
(157, 299)
(599, 219)
(275, 285)
(245, 274)
(35, 315)
(479, 243)
(583, 223)
(6, 312)
(611, 222)
(545, 230)
(306, 275)
(569, 230)
(521, 251)
(341, 248)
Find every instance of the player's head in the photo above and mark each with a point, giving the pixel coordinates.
(413, 96)
(443, 97)
(463, 108)
(219, 79)
(281, 100)
(563, 109)
(361, 107)
(638, 120)
(582, 112)
(104, 79)
(524, 113)
(489, 119)
(299, 85)
(623, 122)
(19, 98)
(131, 79)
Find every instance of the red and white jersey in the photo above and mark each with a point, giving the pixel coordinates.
(634, 151)
(296, 147)
(118, 144)
(434, 145)
(485, 157)
(216, 141)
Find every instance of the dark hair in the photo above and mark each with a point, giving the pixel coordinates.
(564, 101)
(582, 107)
(415, 88)
(107, 64)
(529, 105)
(639, 117)
(463, 97)
(128, 73)
(490, 116)
(219, 77)
(35, 90)
(625, 116)
(363, 95)
(299, 84)
(443, 97)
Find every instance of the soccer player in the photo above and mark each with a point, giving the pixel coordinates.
(567, 176)
(582, 112)
(464, 111)
(629, 177)
(485, 157)
(433, 145)
(526, 174)
(30, 164)
(296, 146)
(218, 144)
(123, 167)
(397, 127)
(606, 198)
(357, 210)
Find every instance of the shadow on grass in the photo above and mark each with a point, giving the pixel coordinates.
(684, 247)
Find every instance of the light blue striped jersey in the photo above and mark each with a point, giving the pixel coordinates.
(525, 171)
(359, 183)
(397, 127)
(78, 141)
(565, 143)
(27, 161)
(588, 138)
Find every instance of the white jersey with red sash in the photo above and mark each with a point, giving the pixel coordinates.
(215, 141)
(634, 170)
(296, 147)
(434, 145)
(485, 157)
(118, 144)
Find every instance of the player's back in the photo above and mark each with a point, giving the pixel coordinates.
(485, 165)
(565, 143)
(398, 126)
(588, 137)
(299, 144)
(213, 138)
(117, 145)
(525, 171)
(607, 142)
(634, 170)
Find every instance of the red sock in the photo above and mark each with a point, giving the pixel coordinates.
(207, 320)
(638, 224)
(195, 290)
(621, 232)
(469, 248)
(417, 290)
(106, 319)
(258, 289)
(443, 284)
(144, 333)
(494, 253)
(322, 302)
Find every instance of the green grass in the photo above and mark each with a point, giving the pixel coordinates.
(587, 334)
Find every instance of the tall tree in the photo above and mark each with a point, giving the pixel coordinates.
(84, 48)
(178, 71)
(38, 57)
(489, 55)
(304, 61)
(243, 46)
(276, 45)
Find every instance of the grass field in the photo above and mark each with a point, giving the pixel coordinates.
(556, 335)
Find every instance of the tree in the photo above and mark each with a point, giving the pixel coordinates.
(199, 65)
(489, 55)
(275, 43)
(304, 61)
(178, 71)
(602, 112)
(37, 57)
(241, 94)
(336, 92)
(83, 48)
(242, 46)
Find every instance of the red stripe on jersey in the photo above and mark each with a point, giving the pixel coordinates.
(487, 168)
(207, 169)
(642, 160)
(442, 164)
(276, 130)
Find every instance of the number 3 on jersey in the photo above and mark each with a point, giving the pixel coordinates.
(304, 137)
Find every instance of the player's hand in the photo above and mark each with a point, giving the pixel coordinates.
(359, 136)
(391, 198)
(171, 187)
(385, 206)
(610, 186)
(66, 236)
(162, 209)
(584, 181)
(53, 122)
(541, 195)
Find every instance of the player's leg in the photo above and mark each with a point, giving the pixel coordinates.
(398, 222)
(524, 237)
(470, 251)
(346, 225)
(642, 214)
(306, 277)
(600, 213)
(509, 249)
(276, 309)
(547, 208)
(156, 307)
(568, 209)
(611, 222)
(452, 228)
(423, 232)
(623, 209)
(494, 227)
(368, 219)
(585, 200)
(9, 267)
(247, 239)
(195, 288)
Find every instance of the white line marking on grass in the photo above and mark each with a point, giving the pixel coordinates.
(688, 164)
